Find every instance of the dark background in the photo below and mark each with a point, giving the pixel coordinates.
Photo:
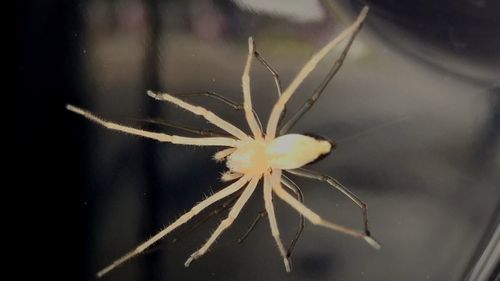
(415, 111)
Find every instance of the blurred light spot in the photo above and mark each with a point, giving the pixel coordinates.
(301, 11)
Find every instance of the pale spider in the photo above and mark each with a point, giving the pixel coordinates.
(265, 155)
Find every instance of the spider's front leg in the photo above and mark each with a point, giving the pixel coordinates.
(215, 212)
(180, 221)
(276, 78)
(198, 110)
(233, 214)
(206, 141)
(247, 99)
(227, 101)
(196, 131)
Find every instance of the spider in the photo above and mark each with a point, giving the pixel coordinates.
(261, 155)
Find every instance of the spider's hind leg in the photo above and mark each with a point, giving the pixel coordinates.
(300, 196)
(308, 104)
(315, 218)
(336, 184)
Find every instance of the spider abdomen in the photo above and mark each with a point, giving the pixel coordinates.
(294, 151)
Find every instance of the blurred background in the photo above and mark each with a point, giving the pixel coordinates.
(415, 111)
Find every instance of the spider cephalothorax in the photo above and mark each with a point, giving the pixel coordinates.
(285, 152)
(261, 155)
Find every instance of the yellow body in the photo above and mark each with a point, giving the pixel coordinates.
(250, 158)
(285, 152)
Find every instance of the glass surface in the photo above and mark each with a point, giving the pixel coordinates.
(414, 109)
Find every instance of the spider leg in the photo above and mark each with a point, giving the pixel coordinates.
(208, 141)
(226, 204)
(298, 193)
(256, 220)
(236, 106)
(312, 216)
(292, 186)
(213, 95)
(320, 89)
(273, 72)
(268, 200)
(336, 184)
(276, 78)
(247, 99)
(229, 176)
(204, 132)
(226, 222)
(304, 72)
(180, 221)
(198, 110)
(222, 154)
